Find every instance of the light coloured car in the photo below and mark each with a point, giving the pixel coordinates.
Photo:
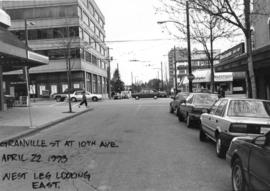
(77, 96)
(234, 117)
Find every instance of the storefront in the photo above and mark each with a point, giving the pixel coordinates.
(232, 83)
(261, 63)
(13, 56)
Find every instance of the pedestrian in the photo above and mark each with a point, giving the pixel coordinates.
(221, 92)
(84, 100)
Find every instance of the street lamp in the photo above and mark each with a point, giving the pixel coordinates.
(26, 71)
(190, 75)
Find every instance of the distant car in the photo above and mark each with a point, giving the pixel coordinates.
(195, 104)
(233, 117)
(77, 96)
(146, 94)
(249, 159)
(62, 96)
(162, 94)
(177, 100)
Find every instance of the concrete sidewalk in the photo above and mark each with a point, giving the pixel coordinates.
(15, 122)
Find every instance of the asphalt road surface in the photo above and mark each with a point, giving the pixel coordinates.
(121, 145)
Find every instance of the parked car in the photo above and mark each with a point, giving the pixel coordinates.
(233, 117)
(62, 96)
(195, 104)
(77, 96)
(162, 94)
(249, 159)
(177, 100)
(146, 94)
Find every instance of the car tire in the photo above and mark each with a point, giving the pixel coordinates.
(94, 99)
(73, 99)
(238, 177)
(58, 99)
(220, 148)
(202, 136)
(155, 97)
(171, 109)
(189, 122)
(180, 116)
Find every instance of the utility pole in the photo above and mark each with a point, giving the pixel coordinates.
(162, 84)
(68, 69)
(175, 70)
(190, 76)
(212, 58)
(109, 75)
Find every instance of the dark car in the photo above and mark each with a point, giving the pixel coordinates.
(162, 94)
(146, 94)
(177, 100)
(195, 104)
(249, 159)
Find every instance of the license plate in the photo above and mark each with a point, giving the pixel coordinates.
(264, 130)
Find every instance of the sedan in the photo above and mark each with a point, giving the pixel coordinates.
(77, 96)
(233, 117)
(177, 100)
(249, 159)
(195, 104)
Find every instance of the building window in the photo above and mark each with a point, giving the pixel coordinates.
(92, 26)
(85, 18)
(86, 37)
(41, 89)
(96, 16)
(43, 12)
(92, 43)
(91, 8)
(80, 12)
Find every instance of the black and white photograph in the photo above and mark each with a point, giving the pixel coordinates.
(134, 95)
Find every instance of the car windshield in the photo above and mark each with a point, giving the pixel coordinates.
(249, 108)
(205, 99)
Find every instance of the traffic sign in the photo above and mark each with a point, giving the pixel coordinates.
(191, 77)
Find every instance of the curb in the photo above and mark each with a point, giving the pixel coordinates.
(44, 126)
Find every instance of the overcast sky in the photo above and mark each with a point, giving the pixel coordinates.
(136, 20)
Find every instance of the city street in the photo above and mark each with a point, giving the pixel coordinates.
(148, 150)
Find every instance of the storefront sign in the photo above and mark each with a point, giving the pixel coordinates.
(233, 52)
(223, 77)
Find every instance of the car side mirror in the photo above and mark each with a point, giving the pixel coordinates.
(260, 140)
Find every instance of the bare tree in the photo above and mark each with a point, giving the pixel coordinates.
(68, 37)
(205, 29)
(238, 14)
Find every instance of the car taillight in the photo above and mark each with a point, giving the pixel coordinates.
(238, 128)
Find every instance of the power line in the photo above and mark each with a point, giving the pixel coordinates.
(140, 40)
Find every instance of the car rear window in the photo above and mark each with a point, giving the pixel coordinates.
(205, 99)
(249, 108)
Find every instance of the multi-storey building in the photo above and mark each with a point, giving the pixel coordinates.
(199, 60)
(63, 30)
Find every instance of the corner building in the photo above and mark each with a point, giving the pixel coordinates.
(58, 28)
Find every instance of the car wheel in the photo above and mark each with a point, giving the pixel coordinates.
(180, 116)
(155, 97)
(189, 122)
(238, 178)
(171, 109)
(58, 98)
(73, 99)
(94, 98)
(220, 148)
(202, 136)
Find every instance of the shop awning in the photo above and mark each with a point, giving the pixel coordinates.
(261, 58)
(13, 54)
(204, 76)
